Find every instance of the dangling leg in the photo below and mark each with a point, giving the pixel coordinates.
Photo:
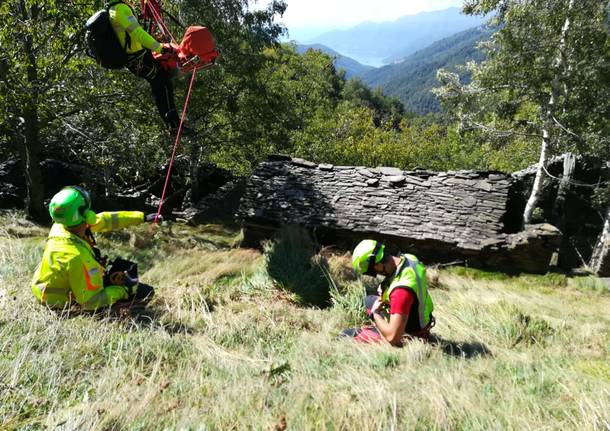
(144, 66)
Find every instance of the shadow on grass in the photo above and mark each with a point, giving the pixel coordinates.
(148, 318)
(466, 350)
(291, 260)
(137, 314)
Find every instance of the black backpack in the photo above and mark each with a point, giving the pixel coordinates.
(102, 42)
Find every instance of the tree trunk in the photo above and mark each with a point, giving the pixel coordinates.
(600, 259)
(547, 122)
(537, 187)
(559, 215)
(31, 127)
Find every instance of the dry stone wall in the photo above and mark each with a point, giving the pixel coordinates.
(440, 216)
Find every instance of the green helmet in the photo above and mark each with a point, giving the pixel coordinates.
(366, 255)
(71, 207)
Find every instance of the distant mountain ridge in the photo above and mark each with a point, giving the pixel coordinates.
(351, 66)
(390, 41)
(412, 79)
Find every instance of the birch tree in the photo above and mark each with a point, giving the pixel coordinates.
(544, 80)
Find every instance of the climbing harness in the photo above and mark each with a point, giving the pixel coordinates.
(197, 49)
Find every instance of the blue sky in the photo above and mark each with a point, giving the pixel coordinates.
(347, 13)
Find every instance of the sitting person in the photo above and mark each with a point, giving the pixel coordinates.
(403, 306)
(72, 267)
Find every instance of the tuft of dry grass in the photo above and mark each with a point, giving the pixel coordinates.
(222, 346)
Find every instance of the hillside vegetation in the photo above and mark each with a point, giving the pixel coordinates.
(349, 65)
(397, 39)
(413, 77)
(263, 98)
(224, 345)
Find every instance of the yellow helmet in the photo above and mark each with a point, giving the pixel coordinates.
(366, 255)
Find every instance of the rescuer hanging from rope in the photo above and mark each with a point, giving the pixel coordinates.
(115, 39)
(139, 45)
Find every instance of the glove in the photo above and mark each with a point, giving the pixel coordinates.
(374, 309)
(121, 278)
(150, 218)
(167, 48)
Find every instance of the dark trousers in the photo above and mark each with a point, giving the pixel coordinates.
(143, 65)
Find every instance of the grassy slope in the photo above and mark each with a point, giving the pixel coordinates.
(222, 348)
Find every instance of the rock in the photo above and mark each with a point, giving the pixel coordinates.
(396, 180)
(366, 173)
(496, 177)
(529, 250)
(304, 163)
(144, 197)
(219, 206)
(390, 171)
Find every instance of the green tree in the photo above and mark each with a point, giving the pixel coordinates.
(55, 101)
(544, 81)
(387, 110)
(230, 105)
(40, 41)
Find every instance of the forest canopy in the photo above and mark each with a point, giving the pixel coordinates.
(265, 98)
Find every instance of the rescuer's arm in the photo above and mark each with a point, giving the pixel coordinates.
(401, 301)
(393, 330)
(130, 24)
(109, 221)
(87, 285)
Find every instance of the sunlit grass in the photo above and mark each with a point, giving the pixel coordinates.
(224, 345)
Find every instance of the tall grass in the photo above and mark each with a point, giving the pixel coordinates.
(224, 346)
(291, 260)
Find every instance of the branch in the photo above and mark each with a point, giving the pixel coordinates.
(501, 133)
(80, 132)
(574, 183)
(565, 129)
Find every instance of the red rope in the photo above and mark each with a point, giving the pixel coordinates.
(171, 162)
(153, 7)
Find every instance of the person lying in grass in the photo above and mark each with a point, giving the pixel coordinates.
(403, 305)
(73, 269)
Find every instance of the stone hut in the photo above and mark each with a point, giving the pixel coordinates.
(467, 216)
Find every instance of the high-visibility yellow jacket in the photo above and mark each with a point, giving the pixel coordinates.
(411, 274)
(69, 272)
(124, 21)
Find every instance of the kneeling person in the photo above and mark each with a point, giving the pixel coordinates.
(403, 295)
(72, 267)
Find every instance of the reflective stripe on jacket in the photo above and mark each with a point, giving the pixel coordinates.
(124, 21)
(68, 270)
(411, 273)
